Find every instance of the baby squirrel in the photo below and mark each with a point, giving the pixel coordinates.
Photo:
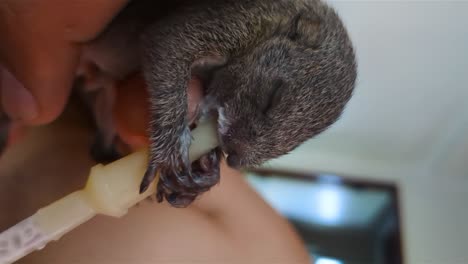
(275, 72)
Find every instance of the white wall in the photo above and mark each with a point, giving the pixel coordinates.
(408, 120)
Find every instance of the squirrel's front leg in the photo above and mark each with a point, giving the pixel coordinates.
(167, 71)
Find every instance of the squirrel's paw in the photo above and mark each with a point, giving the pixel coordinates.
(181, 185)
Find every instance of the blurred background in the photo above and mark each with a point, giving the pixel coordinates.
(403, 139)
(340, 220)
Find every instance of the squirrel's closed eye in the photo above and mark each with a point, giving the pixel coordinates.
(275, 95)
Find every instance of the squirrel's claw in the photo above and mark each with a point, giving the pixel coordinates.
(206, 169)
(149, 176)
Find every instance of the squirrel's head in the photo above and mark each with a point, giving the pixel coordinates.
(285, 90)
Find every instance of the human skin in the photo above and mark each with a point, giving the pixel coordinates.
(228, 224)
(39, 52)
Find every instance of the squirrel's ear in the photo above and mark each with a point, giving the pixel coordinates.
(304, 27)
(205, 67)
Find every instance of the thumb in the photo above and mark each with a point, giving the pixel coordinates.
(18, 103)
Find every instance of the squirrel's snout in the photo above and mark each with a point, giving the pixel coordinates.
(233, 161)
(233, 154)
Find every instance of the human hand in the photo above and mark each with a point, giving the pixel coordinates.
(214, 228)
(39, 53)
(216, 218)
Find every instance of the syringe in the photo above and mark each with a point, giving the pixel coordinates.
(110, 190)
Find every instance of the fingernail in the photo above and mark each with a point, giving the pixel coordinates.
(17, 101)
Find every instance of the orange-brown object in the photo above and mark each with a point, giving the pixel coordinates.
(130, 112)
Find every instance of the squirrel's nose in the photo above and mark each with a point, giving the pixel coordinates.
(233, 160)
